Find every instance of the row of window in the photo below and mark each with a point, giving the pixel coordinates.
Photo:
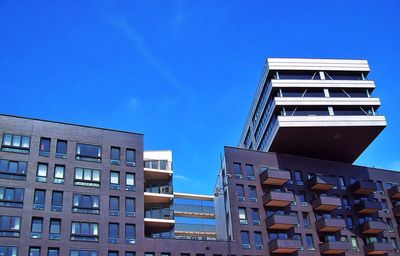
(21, 144)
(240, 193)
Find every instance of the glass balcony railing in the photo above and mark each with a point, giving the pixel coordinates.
(167, 189)
(199, 209)
(200, 228)
(166, 214)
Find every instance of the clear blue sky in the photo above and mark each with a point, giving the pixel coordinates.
(184, 72)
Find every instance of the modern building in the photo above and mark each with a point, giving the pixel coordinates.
(319, 108)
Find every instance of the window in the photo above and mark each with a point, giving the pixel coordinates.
(57, 201)
(15, 143)
(83, 253)
(11, 197)
(242, 216)
(165, 254)
(53, 252)
(354, 243)
(113, 253)
(240, 192)
(55, 229)
(87, 177)
(115, 155)
(113, 233)
(310, 242)
(390, 225)
(380, 187)
(39, 199)
(130, 182)
(349, 222)
(8, 250)
(301, 196)
(163, 165)
(244, 235)
(130, 254)
(34, 251)
(255, 216)
(84, 231)
(13, 170)
(385, 205)
(237, 170)
(114, 206)
(130, 210)
(345, 202)
(342, 183)
(130, 157)
(36, 227)
(87, 152)
(9, 226)
(258, 242)
(59, 171)
(249, 171)
(41, 175)
(44, 147)
(252, 194)
(393, 241)
(86, 204)
(130, 234)
(298, 178)
(306, 220)
(150, 254)
(61, 149)
(114, 180)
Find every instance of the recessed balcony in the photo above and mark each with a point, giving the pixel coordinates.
(330, 225)
(394, 192)
(281, 222)
(363, 187)
(377, 248)
(195, 230)
(284, 246)
(335, 247)
(194, 211)
(326, 203)
(274, 177)
(323, 183)
(278, 199)
(367, 207)
(373, 227)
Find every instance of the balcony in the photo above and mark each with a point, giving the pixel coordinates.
(195, 230)
(330, 225)
(335, 247)
(281, 222)
(274, 177)
(377, 248)
(198, 211)
(161, 218)
(323, 183)
(373, 227)
(326, 203)
(284, 246)
(363, 187)
(367, 207)
(278, 199)
(394, 192)
(162, 194)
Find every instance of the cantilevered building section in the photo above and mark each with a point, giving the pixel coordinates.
(319, 108)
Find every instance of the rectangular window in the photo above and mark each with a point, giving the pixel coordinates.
(130, 207)
(393, 241)
(130, 254)
(83, 253)
(8, 250)
(242, 216)
(349, 222)
(113, 233)
(237, 170)
(310, 242)
(41, 174)
(249, 171)
(130, 157)
(11, 197)
(115, 155)
(59, 171)
(342, 183)
(9, 226)
(301, 196)
(255, 216)
(354, 243)
(53, 252)
(298, 178)
(86, 204)
(306, 220)
(84, 231)
(130, 181)
(13, 170)
(39, 199)
(114, 206)
(258, 242)
(87, 177)
(61, 149)
(113, 253)
(244, 235)
(87, 152)
(34, 251)
(252, 194)
(57, 201)
(240, 192)
(130, 234)
(114, 180)
(15, 143)
(55, 229)
(36, 227)
(44, 147)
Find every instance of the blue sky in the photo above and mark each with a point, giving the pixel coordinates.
(184, 72)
